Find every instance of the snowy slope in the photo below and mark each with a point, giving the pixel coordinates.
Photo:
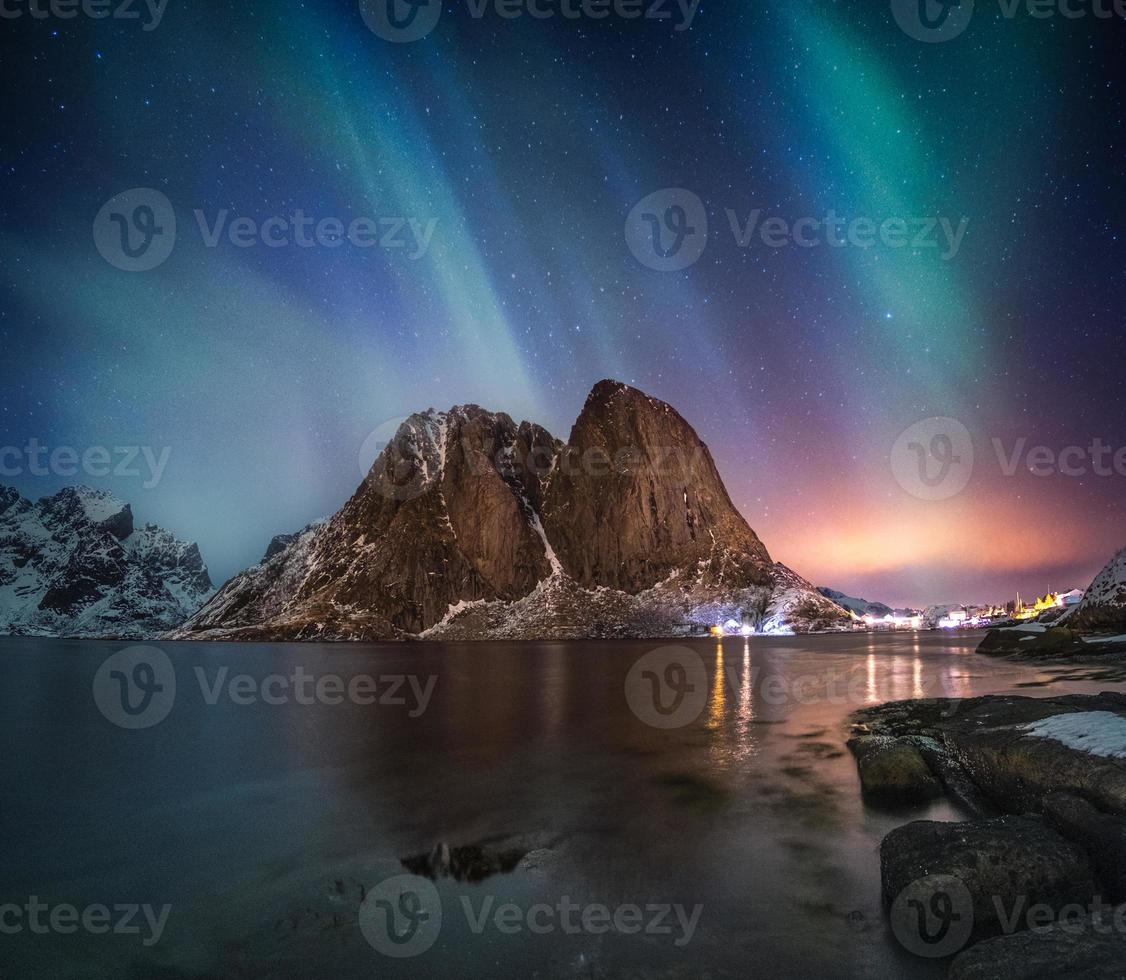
(862, 607)
(74, 565)
(1103, 606)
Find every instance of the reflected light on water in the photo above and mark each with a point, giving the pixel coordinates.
(718, 705)
(746, 705)
(956, 684)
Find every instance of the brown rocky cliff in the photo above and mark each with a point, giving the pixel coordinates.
(467, 512)
(434, 523)
(635, 495)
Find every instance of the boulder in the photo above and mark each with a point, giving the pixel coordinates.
(1029, 643)
(994, 742)
(1101, 835)
(1019, 769)
(1004, 863)
(1089, 948)
(892, 771)
(478, 860)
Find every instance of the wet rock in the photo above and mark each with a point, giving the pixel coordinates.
(957, 783)
(1056, 642)
(1101, 835)
(1005, 864)
(1019, 770)
(1090, 948)
(989, 739)
(892, 771)
(476, 861)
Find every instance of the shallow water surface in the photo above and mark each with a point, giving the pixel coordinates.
(734, 845)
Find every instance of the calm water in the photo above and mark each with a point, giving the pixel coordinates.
(258, 823)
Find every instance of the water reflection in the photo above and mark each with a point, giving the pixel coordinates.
(746, 690)
(751, 806)
(718, 703)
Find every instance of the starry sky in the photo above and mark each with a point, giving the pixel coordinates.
(524, 143)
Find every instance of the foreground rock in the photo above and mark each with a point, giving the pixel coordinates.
(1017, 751)
(479, 860)
(892, 771)
(472, 526)
(1033, 641)
(1057, 766)
(1101, 835)
(1005, 864)
(75, 565)
(1091, 947)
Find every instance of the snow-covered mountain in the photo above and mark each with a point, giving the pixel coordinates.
(1103, 606)
(472, 526)
(74, 565)
(862, 607)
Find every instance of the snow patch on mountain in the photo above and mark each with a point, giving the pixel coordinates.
(862, 607)
(1103, 606)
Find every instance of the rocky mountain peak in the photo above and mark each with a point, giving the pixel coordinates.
(9, 496)
(81, 505)
(635, 495)
(469, 524)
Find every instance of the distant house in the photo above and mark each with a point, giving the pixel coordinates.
(1072, 598)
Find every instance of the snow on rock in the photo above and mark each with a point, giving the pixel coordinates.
(1097, 732)
(862, 607)
(74, 565)
(1103, 606)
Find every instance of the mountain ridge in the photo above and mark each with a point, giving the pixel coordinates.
(472, 526)
(74, 564)
(862, 607)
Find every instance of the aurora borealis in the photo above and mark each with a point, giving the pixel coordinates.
(524, 143)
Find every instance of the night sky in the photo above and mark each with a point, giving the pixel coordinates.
(524, 144)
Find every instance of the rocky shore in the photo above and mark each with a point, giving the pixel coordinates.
(1035, 642)
(1034, 884)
